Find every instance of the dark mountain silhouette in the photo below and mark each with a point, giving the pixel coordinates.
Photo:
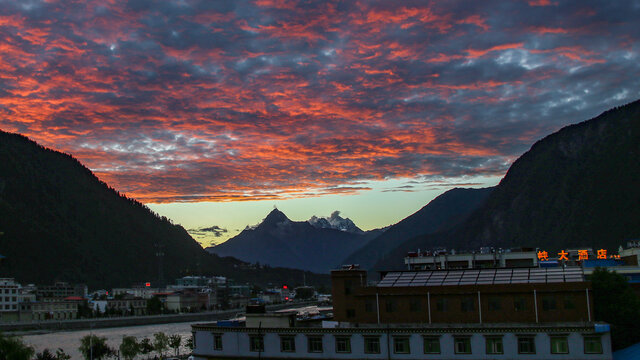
(578, 187)
(278, 241)
(445, 210)
(59, 222)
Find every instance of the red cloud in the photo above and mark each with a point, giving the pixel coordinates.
(285, 98)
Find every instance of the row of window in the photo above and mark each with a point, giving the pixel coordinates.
(431, 344)
(468, 304)
(8, 291)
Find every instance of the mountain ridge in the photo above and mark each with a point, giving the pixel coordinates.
(62, 223)
(279, 241)
(445, 210)
(576, 187)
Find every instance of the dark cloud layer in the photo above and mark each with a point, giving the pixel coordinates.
(231, 100)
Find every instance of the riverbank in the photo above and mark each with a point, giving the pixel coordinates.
(24, 328)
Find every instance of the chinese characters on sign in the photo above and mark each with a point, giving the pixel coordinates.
(562, 255)
(582, 255)
(602, 254)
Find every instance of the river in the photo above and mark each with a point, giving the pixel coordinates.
(69, 341)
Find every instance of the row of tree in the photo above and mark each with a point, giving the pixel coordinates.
(96, 348)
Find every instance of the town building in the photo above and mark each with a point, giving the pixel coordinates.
(193, 282)
(470, 313)
(143, 292)
(485, 258)
(9, 292)
(48, 310)
(61, 290)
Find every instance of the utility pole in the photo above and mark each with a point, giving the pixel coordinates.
(160, 256)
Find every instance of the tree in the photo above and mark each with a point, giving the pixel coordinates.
(129, 347)
(48, 355)
(174, 342)
(61, 355)
(12, 347)
(616, 303)
(189, 343)
(92, 346)
(160, 343)
(84, 311)
(145, 346)
(154, 306)
(45, 355)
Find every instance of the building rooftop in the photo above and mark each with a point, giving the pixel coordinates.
(482, 277)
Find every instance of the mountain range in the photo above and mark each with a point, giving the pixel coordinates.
(316, 245)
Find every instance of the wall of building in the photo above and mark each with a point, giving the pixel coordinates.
(421, 304)
(235, 343)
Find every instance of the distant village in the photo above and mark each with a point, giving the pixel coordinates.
(189, 294)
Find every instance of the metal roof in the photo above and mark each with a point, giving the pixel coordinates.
(482, 277)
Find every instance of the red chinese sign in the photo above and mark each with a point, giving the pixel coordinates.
(582, 255)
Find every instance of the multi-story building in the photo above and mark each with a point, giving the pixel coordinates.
(60, 290)
(121, 306)
(143, 292)
(48, 310)
(9, 299)
(193, 282)
(505, 313)
(485, 258)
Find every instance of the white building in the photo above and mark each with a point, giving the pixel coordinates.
(444, 260)
(8, 299)
(477, 341)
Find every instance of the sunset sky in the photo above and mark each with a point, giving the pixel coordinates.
(212, 112)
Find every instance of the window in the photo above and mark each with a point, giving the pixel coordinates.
(401, 345)
(548, 303)
(315, 344)
(494, 345)
(217, 341)
(371, 345)
(466, 304)
(431, 344)
(256, 343)
(287, 344)
(495, 303)
(592, 345)
(526, 345)
(559, 345)
(519, 304)
(368, 306)
(568, 303)
(414, 305)
(347, 287)
(462, 344)
(343, 344)
(391, 306)
(351, 313)
(442, 305)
